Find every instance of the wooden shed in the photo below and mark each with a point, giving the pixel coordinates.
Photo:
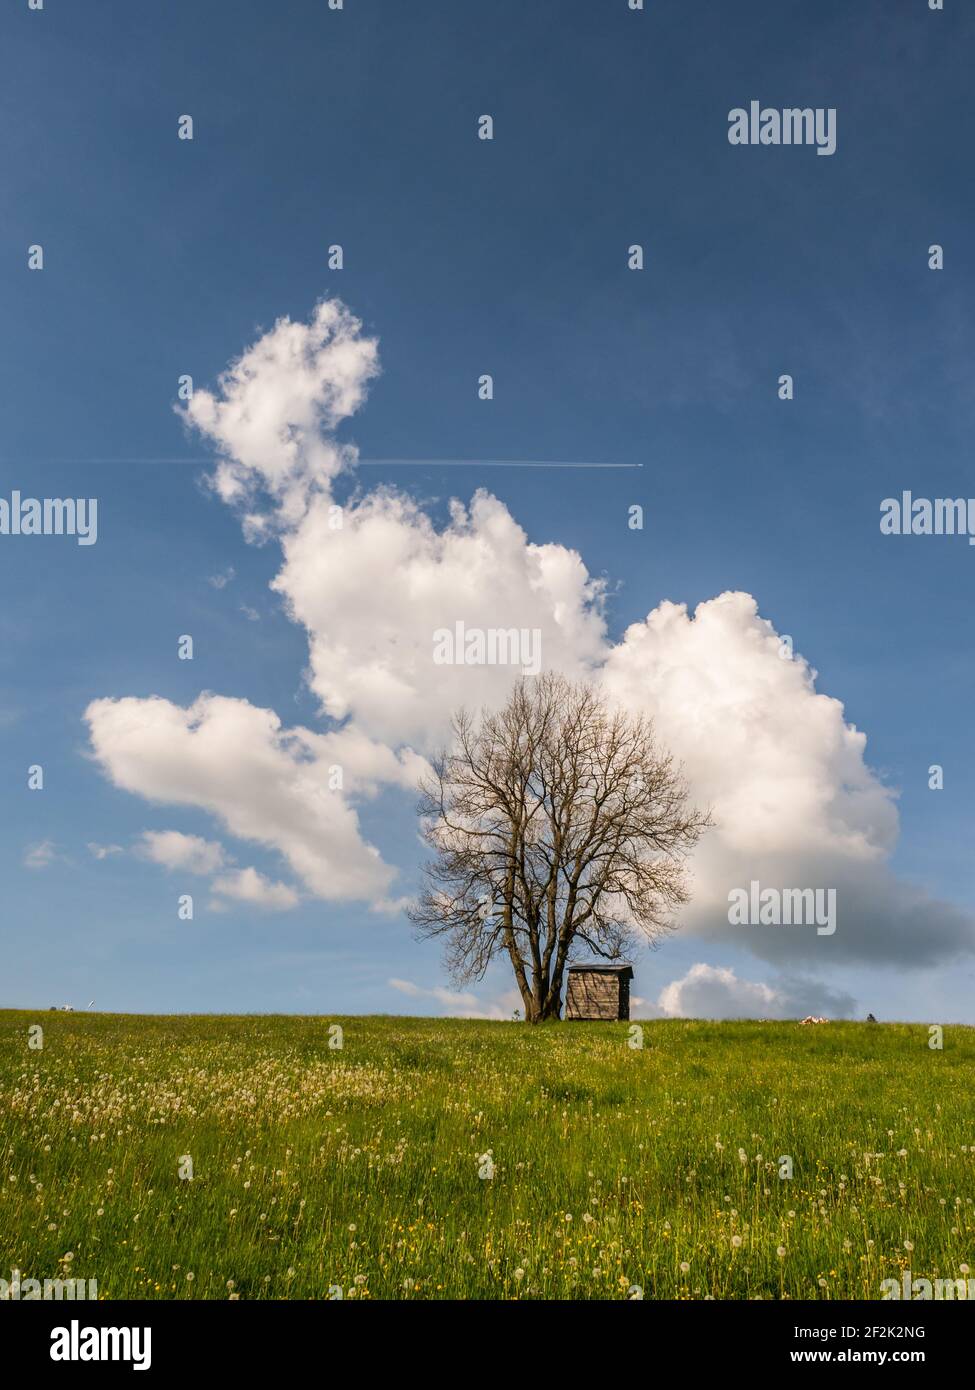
(598, 991)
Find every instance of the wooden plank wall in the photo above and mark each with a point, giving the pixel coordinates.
(596, 995)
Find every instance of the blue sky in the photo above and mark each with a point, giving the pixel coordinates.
(314, 127)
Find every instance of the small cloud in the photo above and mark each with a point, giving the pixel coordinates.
(459, 1004)
(249, 886)
(220, 581)
(251, 614)
(710, 991)
(450, 998)
(390, 906)
(174, 850)
(41, 855)
(103, 851)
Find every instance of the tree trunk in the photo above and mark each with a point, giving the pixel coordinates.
(550, 1011)
(544, 1001)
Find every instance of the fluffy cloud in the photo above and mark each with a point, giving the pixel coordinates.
(249, 886)
(708, 991)
(448, 997)
(265, 784)
(794, 800)
(174, 850)
(192, 854)
(271, 417)
(776, 758)
(372, 594)
(461, 1004)
(795, 804)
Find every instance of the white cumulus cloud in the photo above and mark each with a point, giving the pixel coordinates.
(264, 783)
(249, 886)
(461, 1004)
(372, 594)
(174, 850)
(796, 804)
(272, 414)
(710, 991)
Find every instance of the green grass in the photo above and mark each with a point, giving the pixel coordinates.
(317, 1168)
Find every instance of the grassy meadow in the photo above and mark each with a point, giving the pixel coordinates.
(612, 1170)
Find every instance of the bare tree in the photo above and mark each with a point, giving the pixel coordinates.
(556, 825)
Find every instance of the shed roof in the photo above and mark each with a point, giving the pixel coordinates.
(602, 968)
